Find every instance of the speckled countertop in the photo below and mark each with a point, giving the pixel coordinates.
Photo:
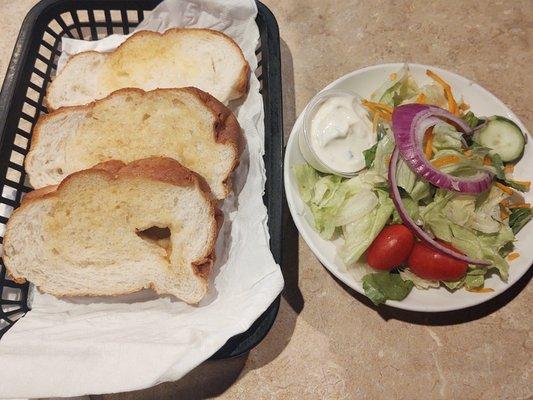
(328, 342)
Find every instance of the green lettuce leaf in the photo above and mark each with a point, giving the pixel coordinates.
(447, 137)
(306, 178)
(519, 218)
(358, 235)
(383, 153)
(382, 286)
(471, 119)
(395, 91)
(420, 283)
(453, 218)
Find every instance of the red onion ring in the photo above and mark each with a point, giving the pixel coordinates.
(409, 124)
(419, 232)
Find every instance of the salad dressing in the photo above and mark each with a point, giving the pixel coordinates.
(340, 131)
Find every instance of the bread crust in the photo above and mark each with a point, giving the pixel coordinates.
(226, 128)
(240, 89)
(161, 169)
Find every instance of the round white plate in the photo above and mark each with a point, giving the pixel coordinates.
(482, 102)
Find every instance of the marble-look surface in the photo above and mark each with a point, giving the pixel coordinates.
(327, 342)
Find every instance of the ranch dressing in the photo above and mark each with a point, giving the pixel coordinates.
(340, 131)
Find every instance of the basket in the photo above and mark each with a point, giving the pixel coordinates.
(32, 65)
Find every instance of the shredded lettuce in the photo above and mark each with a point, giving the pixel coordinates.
(469, 224)
(358, 235)
(384, 148)
(420, 283)
(447, 137)
(306, 178)
(396, 90)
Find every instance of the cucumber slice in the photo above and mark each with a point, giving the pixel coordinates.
(503, 136)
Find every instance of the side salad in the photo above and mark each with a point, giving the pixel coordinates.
(436, 205)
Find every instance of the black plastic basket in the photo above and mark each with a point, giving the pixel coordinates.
(32, 65)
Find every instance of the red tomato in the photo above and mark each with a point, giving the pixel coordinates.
(429, 263)
(390, 248)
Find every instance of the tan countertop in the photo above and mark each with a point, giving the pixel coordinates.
(327, 342)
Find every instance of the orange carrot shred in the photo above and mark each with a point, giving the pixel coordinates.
(428, 148)
(503, 213)
(513, 256)
(509, 168)
(452, 104)
(421, 98)
(504, 188)
(464, 106)
(525, 205)
(480, 290)
(468, 153)
(446, 160)
(487, 161)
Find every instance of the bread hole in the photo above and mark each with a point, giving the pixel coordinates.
(146, 116)
(59, 171)
(158, 236)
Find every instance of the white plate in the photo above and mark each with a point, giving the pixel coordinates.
(482, 102)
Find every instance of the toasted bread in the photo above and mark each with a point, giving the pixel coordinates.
(203, 58)
(116, 229)
(186, 124)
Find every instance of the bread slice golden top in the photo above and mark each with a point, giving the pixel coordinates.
(115, 229)
(203, 58)
(186, 124)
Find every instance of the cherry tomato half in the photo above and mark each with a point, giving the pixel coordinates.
(390, 248)
(429, 263)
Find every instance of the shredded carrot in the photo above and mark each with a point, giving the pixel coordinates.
(503, 213)
(487, 161)
(480, 290)
(384, 111)
(393, 76)
(421, 98)
(509, 168)
(464, 106)
(504, 203)
(452, 104)
(525, 205)
(468, 153)
(526, 184)
(446, 160)
(504, 188)
(376, 106)
(428, 147)
(513, 256)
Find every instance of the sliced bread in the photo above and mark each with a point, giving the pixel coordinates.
(203, 58)
(186, 124)
(116, 229)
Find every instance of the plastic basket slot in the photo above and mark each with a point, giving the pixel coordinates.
(76, 24)
(13, 176)
(9, 194)
(21, 141)
(63, 24)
